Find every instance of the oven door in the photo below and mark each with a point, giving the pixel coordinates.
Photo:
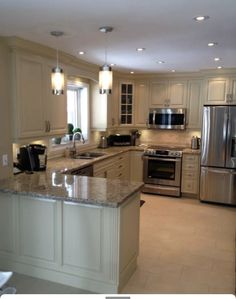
(162, 171)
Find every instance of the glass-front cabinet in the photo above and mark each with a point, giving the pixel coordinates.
(126, 103)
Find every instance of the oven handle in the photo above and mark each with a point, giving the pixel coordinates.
(162, 159)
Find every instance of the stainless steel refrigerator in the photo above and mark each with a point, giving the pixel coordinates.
(218, 155)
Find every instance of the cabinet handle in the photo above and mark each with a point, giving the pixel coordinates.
(46, 126)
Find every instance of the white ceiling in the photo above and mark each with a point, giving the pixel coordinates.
(164, 27)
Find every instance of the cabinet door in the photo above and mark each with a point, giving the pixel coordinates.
(113, 106)
(141, 103)
(126, 103)
(177, 94)
(159, 94)
(194, 105)
(216, 90)
(55, 106)
(29, 97)
(136, 166)
(233, 90)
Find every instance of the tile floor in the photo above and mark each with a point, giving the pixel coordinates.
(185, 247)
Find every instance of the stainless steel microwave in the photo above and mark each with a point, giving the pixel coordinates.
(166, 118)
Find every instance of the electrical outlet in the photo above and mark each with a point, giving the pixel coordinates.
(4, 160)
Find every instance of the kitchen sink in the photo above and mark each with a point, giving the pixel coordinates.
(89, 155)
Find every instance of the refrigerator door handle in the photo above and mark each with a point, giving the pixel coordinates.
(231, 171)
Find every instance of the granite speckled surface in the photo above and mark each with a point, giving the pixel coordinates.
(79, 189)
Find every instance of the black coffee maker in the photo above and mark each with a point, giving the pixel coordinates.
(32, 157)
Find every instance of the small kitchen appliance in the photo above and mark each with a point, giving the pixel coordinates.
(119, 140)
(195, 142)
(32, 157)
(103, 142)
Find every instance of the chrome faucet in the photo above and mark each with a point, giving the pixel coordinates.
(73, 149)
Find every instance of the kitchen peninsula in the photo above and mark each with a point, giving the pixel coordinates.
(79, 231)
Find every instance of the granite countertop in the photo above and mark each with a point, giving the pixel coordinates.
(65, 165)
(78, 189)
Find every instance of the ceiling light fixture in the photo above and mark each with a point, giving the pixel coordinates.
(219, 67)
(81, 52)
(173, 71)
(57, 76)
(212, 44)
(131, 72)
(140, 49)
(217, 59)
(201, 18)
(161, 62)
(105, 73)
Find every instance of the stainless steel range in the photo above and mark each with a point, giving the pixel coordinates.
(162, 170)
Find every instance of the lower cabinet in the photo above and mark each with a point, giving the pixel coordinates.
(136, 166)
(87, 246)
(190, 174)
(116, 167)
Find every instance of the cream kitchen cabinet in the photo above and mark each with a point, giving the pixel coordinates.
(220, 90)
(136, 166)
(126, 107)
(116, 167)
(194, 104)
(104, 108)
(190, 174)
(168, 94)
(37, 113)
(141, 103)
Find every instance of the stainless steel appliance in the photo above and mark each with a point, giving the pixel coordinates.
(162, 171)
(32, 157)
(218, 155)
(103, 142)
(119, 140)
(167, 118)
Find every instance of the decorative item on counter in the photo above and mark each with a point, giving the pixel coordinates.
(76, 130)
(57, 140)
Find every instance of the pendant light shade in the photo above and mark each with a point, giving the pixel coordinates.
(105, 73)
(57, 76)
(105, 79)
(58, 81)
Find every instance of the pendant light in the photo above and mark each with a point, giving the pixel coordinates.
(57, 76)
(105, 73)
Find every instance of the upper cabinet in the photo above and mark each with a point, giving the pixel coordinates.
(168, 94)
(220, 90)
(126, 103)
(37, 113)
(194, 104)
(141, 103)
(104, 108)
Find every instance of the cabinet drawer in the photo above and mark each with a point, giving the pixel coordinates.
(190, 175)
(191, 167)
(189, 186)
(190, 158)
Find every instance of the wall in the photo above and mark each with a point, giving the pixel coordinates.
(5, 113)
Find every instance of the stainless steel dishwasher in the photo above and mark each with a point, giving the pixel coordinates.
(85, 171)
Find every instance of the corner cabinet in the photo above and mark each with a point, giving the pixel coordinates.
(37, 113)
(220, 90)
(168, 93)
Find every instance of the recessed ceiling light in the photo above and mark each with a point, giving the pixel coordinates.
(201, 18)
(173, 71)
(217, 59)
(112, 64)
(161, 62)
(81, 52)
(131, 72)
(219, 67)
(211, 44)
(140, 49)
